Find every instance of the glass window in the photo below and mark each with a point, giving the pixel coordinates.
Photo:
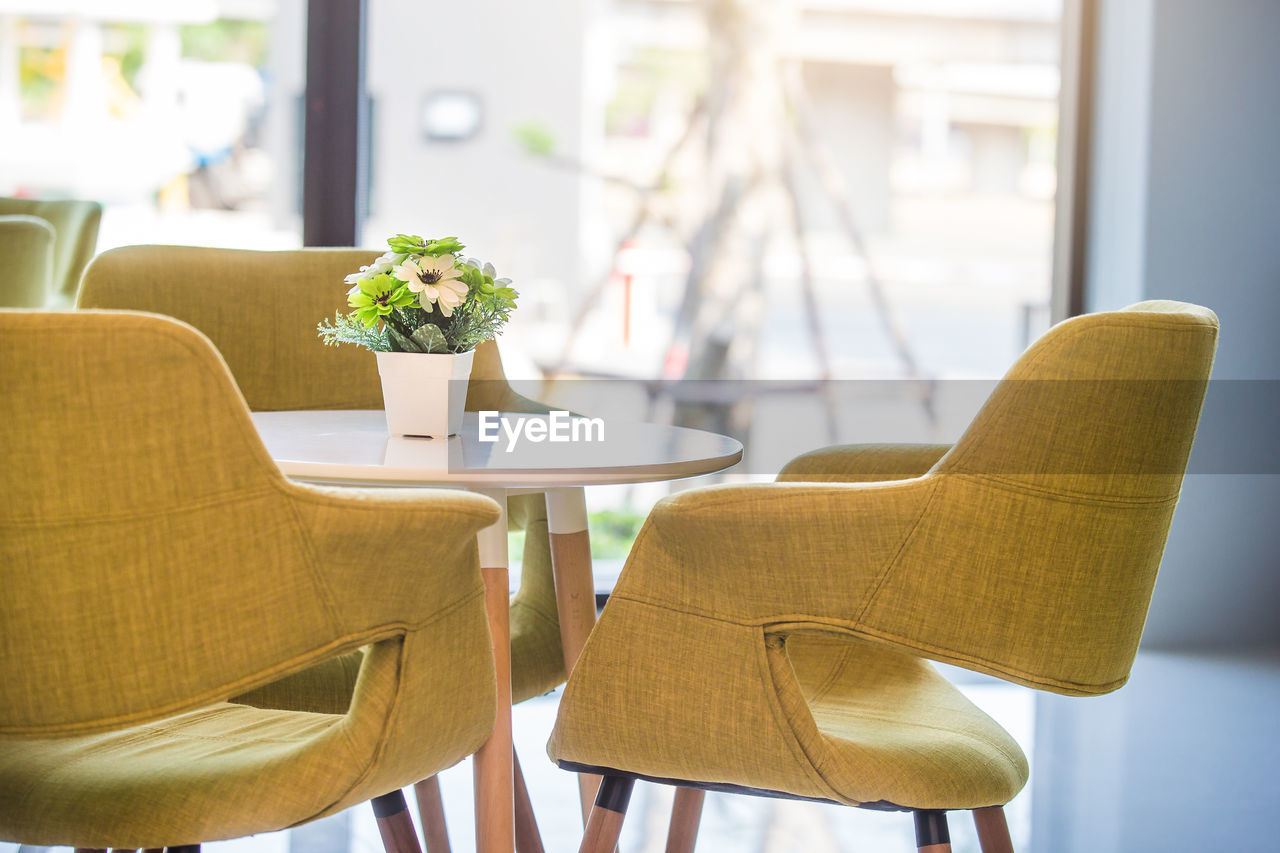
(847, 189)
(183, 119)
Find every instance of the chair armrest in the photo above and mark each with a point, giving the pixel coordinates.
(773, 552)
(863, 463)
(393, 559)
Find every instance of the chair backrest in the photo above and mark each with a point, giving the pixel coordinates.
(261, 309)
(1103, 405)
(76, 225)
(143, 531)
(1052, 510)
(26, 257)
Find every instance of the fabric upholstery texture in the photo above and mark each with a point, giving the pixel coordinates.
(798, 613)
(156, 563)
(26, 256)
(75, 226)
(280, 364)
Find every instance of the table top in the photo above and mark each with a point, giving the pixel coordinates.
(353, 447)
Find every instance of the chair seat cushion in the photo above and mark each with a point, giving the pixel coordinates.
(220, 772)
(888, 729)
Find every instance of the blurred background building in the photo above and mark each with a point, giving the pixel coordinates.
(794, 196)
(537, 131)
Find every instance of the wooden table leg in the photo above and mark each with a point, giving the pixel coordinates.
(575, 592)
(494, 783)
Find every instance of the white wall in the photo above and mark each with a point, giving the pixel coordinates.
(525, 61)
(1185, 204)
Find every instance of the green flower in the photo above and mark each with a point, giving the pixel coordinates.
(375, 297)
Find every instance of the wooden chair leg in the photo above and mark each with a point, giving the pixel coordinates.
(993, 830)
(605, 824)
(394, 824)
(184, 848)
(931, 831)
(435, 831)
(686, 814)
(528, 839)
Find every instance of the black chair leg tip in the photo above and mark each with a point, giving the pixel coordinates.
(615, 793)
(931, 827)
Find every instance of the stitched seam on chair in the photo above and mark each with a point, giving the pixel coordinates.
(1064, 495)
(906, 540)
(860, 630)
(218, 694)
(798, 751)
(982, 664)
(996, 745)
(1039, 357)
(233, 496)
(932, 651)
(307, 494)
(789, 491)
(832, 676)
(687, 611)
(344, 644)
(380, 746)
(241, 739)
(549, 621)
(309, 558)
(215, 372)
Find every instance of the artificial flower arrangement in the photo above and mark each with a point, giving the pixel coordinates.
(421, 297)
(423, 309)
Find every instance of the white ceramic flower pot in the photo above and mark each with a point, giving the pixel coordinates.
(424, 394)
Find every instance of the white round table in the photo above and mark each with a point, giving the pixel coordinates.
(353, 448)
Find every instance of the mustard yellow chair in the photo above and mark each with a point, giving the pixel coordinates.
(75, 227)
(261, 310)
(155, 563)
(26, 256)
(772, 638)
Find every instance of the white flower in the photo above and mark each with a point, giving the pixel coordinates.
(387, 260)
(447, 294)
(434, 280)
(383, 263)
(489, 270)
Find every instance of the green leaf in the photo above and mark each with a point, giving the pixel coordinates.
(444, 246)
(430, 338)
(399, 343)
(350, 329)
(406, 244)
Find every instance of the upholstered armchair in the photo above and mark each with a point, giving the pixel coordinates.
(775, 639)
(261, 309)
(75, 227)
(26, 256)
(155, 564)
